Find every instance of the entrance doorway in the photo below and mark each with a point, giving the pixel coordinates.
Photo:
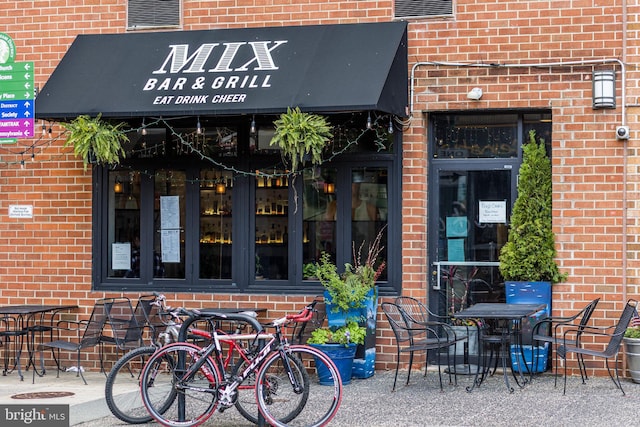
(473, 174)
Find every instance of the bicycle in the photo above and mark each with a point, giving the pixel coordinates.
(193, 379)
(122, 390)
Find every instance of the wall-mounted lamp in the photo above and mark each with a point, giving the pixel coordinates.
(604, 89)
(329, 188)
(475, 94)
(117, 187)
(221, 188)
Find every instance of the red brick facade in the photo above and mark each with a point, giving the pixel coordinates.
(47, 259)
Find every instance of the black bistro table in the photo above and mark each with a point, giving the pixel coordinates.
(25, 321)
(510, 317)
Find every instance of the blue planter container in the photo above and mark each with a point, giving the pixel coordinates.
(364, 363)
(518, 364)
(342, 357)
(530, 293)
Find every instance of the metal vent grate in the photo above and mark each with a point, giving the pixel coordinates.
(153, 13)
(407, 8)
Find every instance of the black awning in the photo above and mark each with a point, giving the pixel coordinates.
(323, 68)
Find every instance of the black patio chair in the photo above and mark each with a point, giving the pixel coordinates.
(418, 314)
(88, 334)
(122, 327)
(549, 331)
(611, 349)
(413, 339)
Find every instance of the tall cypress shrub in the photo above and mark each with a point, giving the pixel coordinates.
(530, 252)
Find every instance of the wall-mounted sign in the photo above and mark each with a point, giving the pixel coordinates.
(16, 101)
(20, 211)
(7, 49)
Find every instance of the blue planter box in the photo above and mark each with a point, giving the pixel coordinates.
(541, 362)
(364, 363)
(530, 293)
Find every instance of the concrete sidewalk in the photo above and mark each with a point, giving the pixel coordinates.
(370, 402)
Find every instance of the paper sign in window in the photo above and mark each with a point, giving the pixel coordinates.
(456, 226)
(121, 256)
(492, 211)
(455, 249)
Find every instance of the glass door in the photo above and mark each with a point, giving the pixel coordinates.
(469, 212)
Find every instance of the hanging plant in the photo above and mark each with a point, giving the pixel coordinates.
(300, 135)
(95, 137)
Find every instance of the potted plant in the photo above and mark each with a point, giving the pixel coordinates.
(527, 260)
(300, 135)
(96, 138)
(340, 345)
(632, 351)
(353, 296)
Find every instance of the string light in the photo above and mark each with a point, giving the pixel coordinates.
(198, 128)
(390, 124)
(144, 129)
(44, 129)
(252, 129)
(369, 121)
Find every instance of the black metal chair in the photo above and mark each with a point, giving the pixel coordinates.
(418, 314)
(411, 339)
(611, 349)
(88, 334)
(122, 327)
(549, 331)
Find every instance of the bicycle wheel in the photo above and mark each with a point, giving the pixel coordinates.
(195, 396)
(247, 404)
(277, 400)
(122, 389)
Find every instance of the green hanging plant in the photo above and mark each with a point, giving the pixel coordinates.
(96, 137)
(300, 134)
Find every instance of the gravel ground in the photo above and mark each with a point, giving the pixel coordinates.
(370, 402)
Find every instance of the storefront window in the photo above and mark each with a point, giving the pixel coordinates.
(475, 136)
(319, 224)
(124, 224)
(216, 207)
(169, 224)
(368, 211)
(215, 210)
(271, 233)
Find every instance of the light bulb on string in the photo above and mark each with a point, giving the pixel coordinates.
(198, 127)
(44, 129)
(144, 129)
(369, 121)
(252, 129)
(390, 124)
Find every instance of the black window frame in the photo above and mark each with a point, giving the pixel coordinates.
(243, 277)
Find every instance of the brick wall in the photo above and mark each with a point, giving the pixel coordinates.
(47, 259)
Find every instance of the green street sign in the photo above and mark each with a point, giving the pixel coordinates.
(8, 140)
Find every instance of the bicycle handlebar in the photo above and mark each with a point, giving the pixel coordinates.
(303, 316)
